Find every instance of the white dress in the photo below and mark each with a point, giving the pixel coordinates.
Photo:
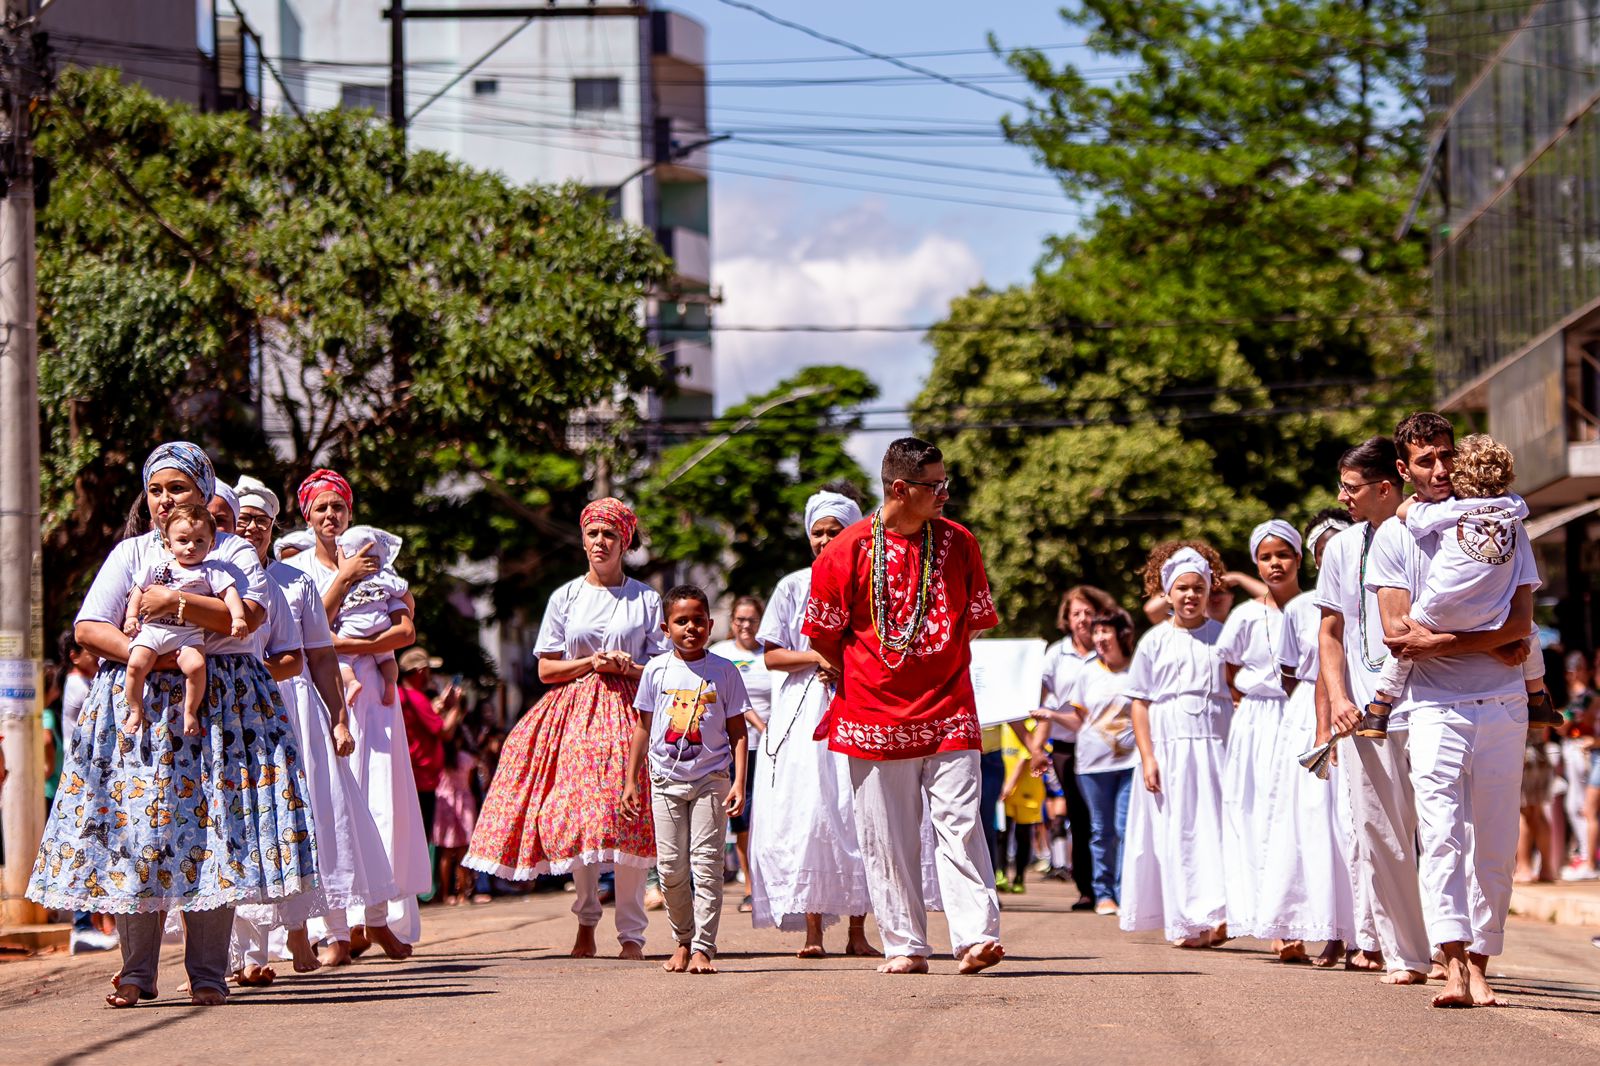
(381, 767)
(1172, 871)
(1250, 641)
(804, 856)
(1305, 888)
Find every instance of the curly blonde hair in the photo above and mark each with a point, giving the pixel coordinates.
(1163, 551)
(1484, 467)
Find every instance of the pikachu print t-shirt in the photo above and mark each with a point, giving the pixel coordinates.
(690, 704)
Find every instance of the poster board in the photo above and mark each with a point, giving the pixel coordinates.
(1006, 676)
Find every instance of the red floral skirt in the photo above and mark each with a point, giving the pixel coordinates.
(556, 798)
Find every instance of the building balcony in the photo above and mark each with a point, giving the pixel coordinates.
(692, 366)
(689, 251)
(677, 39)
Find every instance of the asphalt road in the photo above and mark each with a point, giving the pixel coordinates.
(491, 985)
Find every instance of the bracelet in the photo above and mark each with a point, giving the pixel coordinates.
(181, 603)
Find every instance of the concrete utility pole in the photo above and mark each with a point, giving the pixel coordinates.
(23, 79)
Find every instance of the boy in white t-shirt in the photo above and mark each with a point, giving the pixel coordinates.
(1469, 585)
(188, 537)
(691, 708)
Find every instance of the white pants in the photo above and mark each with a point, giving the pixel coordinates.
(1345, 777)
(628, 881)
(1466, 765)
(1384, 809)
(889, 798)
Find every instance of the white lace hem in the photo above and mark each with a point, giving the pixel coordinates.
(52, 899)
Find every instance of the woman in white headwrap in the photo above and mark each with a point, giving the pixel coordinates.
(1172, 872)
(805, 863)
(1304, 893)
(1250, 644)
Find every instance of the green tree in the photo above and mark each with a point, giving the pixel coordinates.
(1233, 314)
(425, 327)
(733, 498)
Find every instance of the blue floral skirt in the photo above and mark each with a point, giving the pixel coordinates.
(158, 821)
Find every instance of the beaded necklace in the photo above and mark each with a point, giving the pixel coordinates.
(1361, 609)
(891, 638)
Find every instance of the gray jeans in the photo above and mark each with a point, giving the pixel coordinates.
(691, 825)
(206, 935)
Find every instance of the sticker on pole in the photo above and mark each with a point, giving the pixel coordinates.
(19, 688)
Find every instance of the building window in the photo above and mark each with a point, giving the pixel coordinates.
(374, 98)
(596, 94)
(486, 87)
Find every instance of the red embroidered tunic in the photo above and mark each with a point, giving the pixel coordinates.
(886, 708)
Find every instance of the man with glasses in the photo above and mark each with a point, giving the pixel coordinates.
(895, 600)
(1390, 932)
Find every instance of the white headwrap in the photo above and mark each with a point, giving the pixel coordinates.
(1275, 528)
(254, 493)
(387, 546)
(1184, 561)
(827, 504)
(301, 540)
(225, 494)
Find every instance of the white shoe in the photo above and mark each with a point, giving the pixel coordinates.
(92, 940)
(1580, 873)
(1106, 906)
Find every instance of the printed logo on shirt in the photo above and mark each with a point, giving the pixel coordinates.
(1486, 535)
(362, 594)
(688, 707)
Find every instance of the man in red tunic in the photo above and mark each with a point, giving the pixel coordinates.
(895, 600)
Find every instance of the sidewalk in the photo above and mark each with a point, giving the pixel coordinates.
(1561, 902)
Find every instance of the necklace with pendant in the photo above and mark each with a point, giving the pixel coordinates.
(892, 638)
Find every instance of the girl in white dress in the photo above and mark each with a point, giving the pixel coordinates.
(805, 862)
(1250, 643)
(1172, 871)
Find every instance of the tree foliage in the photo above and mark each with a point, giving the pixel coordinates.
(424, 327)
(1235, 311)
(733, 498)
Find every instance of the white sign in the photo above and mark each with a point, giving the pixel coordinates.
(19, 688)
(1006, 677)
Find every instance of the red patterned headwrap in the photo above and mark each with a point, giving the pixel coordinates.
(614, 513)
(320, 481)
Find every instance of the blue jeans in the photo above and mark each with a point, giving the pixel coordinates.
(992, 782)
(1107, 793)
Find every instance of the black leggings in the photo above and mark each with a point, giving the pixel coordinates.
(1018, 843)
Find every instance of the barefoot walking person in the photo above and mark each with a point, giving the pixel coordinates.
(806, 868)
(1173, 877)
(1375, 777)
(351, 861)
(381, 761)
(895, 601)
(155, 821)
(555, 804)
(1468, 707)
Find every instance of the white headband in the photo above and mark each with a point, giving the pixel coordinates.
(253, 493)
(1184, 561)
(834, 505)
(1275, 528)
(1331, 524)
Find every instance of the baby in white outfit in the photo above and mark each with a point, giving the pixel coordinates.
(369, 603)
(188, 537)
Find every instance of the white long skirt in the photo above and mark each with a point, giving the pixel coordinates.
(1304, 892)
(1172, 871)
(1254, 749)
(804, 854)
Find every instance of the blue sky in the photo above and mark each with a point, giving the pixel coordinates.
(787, 252)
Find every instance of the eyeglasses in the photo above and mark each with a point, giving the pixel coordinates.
(1345, 486)
(250, 521)
(940, 488)
(746, 621)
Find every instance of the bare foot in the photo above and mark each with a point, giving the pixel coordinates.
(679, 962)
(305, 959)
(1455, 992)
(255, 977)
(1404, 977)
(207, 997)
(811, 951)
(1478, 982)
(125, 996)
(1438, 973)
(392, 945)
(1291, 951)
(700, 962)
(335, 953)
(359, 943)
(980, 957)
(1219, 935)
(583, 946)
(1203, 940)
(860, 946)
(905, 964)
(631, 952)
(1370, 961)
(1332, 955)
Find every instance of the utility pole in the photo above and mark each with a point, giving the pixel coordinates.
(397, 66)
(23, 79)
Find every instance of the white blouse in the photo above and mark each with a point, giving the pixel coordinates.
(1180, 670)
(1302, 628)
(582, 619)
(1250, 640)
(786, 613)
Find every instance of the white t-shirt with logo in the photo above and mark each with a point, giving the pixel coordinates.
(1469, 586)
(691, 703)
(1105, 742)
(753, 668)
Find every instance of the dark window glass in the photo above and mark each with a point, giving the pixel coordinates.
(372, 97)
(596, 94)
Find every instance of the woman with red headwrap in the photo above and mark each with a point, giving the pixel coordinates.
(381, 761)
(556, 801)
